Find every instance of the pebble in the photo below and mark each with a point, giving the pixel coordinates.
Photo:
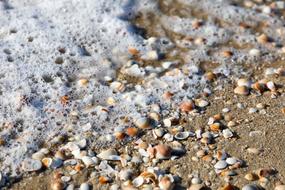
(30, 165)
(221, 164)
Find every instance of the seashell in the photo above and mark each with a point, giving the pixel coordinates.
(71, 146)
(104, 180)
(182, 135)
(133, 51)
(231, 160)
(155, 116)
(280, 187)
(227, 133)
(254, 52)
(138, 181)
(30, 165)
(253, 151)
(65, 178)
(57, 185)
(158, 133)
(201, 153)
(252, 187)
(227, 187)
(207, 158)
(167, 95)
(70, 187)
(202, 103)
(227, 53)
(115, 187)
(166, 183)
(132, 131)
(263, 38)
(177, 148)
(151, 151)
(215, 127)
(88, 161)
(168, 137)
(271, 86)
(44, 151)
(196, 187)
(187, 106)
(163, 151)
(107, 154)
(265, 172)
(196, 180)
(70, 162)
(126, 174)
(221, 164)
(251, 177)
(210, 76)
(120, 135)
(142, 123)
(82, 143)
(221, 155)
(38, 155)
(244, 82)
(60, 154)
(117, 86)
(241, 90)
(136, 159)
(47, 162)
(259, 87)
(143, 152)
(84, 186)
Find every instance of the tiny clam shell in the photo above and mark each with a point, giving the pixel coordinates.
(30, 165)
(158, 133)
(107, 154)
(244, 82)
(142, 122)
(166, 183)
(187, 106)
(231, 160)
(163, 151)
(202, 103)
(227, 133)
(182, 135)
(221, 164)
(88, 161)
(241, 90)
(84, 186)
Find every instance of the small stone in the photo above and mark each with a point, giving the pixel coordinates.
(221, 164)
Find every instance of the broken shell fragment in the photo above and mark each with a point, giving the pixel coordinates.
(109, 154)
(166, 183)
(142, 123)
(31, 165)
(187, 106)
(163, 151)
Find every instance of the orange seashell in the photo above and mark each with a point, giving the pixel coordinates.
(120, 135)
(167, 95)
(133, 51)
(259, 87)
(103, 180)
(210, 76)
(78, 167)
(151, 151)
(64, 100)
(187, 106)
(218, 117)
(132, 131)
(263, 38)
(215, 127)
(227, 54)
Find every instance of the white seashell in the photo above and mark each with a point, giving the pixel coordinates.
(231, 160)
(84, 186)
(168, 137)
(196, 180)
(126, 174)
(88, 161)
(109, 138)
(227, 133)
(142, 122)
(270, 71)
(143, 152)
(254, 52)
(244, 82)
(221, 164)
(167, 122)
(138, 181)
(30, 165)
(107, 154)
(44, 150)
(77, 154)
(70, 162)
(182, 135)
(86, 127)
(95, 160)
(71, 146)
(158, 133)
(252, 110)
(82, 143)
(271, 86)
(115, 187)
(280, 187)
(202, 103)
(198, 133)
(38, 155)
(65, 178)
